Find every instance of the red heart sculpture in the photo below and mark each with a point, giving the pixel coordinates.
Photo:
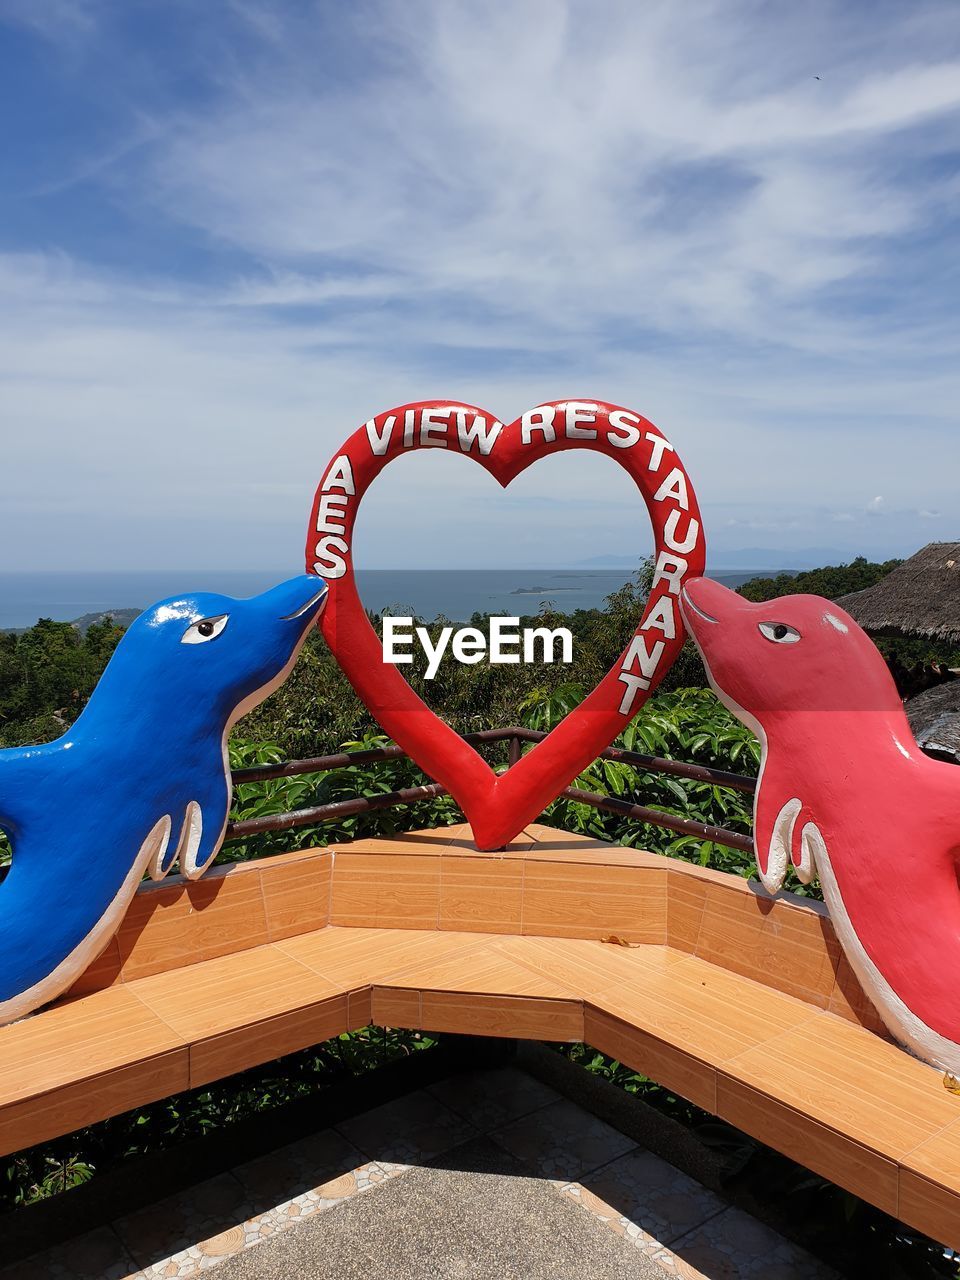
(498, 807)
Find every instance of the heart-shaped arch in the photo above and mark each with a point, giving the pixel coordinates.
(499, 806)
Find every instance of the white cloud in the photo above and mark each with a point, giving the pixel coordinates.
(657, 204)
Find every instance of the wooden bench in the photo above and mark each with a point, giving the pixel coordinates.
(741, 1003)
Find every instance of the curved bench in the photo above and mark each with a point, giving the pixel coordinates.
(742, 1003)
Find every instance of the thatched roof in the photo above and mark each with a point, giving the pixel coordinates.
(920, 598)
(935, 720)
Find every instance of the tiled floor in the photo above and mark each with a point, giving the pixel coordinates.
(678, 1225)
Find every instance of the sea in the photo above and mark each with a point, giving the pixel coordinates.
(455, 594)
(422, 593)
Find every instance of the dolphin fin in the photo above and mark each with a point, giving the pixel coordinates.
(204, 825)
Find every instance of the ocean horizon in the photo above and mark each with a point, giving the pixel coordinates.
(457, 594)
(64, 596)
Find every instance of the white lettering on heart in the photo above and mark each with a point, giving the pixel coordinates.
(577, 413)
(331, 511)
(658, 446)
(330, 555)
(538, 420)
(671, 570)
(340, 476)
(670, 533)
(675, 487)
(626, 423)
(431, 422)
(662, 617)
(380, 438)
(477, 432)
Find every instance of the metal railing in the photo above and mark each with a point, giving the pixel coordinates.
(515, 736)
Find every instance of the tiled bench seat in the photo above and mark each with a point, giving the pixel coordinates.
(739, 1002)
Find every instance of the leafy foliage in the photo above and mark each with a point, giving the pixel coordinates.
(46, 676)
(282, 795)
(832, 581)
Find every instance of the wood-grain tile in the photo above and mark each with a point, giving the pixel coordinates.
(515, 1017)
(578, 900)
(103, 972)
(938, 1157)
(848, 999)
(396, 1008)
(847, 1078)
(181, 922)
(681, 1072)
(781, 944)
(232, 991)
(483, 970)
(827, 1150)
(75, 1105)
(704, 1011)
(351, 958)
(929, 1206)
(482, 894)
(261, 1041)
(686, 898)
(296, 894)
(359, 1008)
(392, 890)
(462, 842)
(77, 1040)
(553, 845)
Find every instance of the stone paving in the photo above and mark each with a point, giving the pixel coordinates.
(488, 1173)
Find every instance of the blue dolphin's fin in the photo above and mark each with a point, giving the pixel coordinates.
(204, 824)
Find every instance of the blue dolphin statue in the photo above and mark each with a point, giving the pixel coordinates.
(141, 780)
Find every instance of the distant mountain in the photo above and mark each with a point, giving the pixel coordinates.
(779, 558)
(122, 617)
(757, 559)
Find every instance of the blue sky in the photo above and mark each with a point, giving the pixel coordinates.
(231, 231)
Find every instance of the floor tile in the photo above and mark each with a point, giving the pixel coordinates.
(164, 1230)
(407, 1131)
(562, 1141)
(291, 1171)
(641, 1189)
(489, 1099)
(734, 1246)
(98, 1255)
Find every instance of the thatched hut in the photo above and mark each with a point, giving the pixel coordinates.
(920, 598)
(935, 720)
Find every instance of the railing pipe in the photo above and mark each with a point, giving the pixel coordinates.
(657, 818)
(331, 812)
(517, 734)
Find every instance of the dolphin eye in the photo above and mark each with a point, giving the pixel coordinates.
(779, 632)
(205, 629)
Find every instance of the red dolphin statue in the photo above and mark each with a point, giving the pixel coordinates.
(846, 795)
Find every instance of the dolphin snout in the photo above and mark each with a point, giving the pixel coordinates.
(688, 600)
(316, 599)
(295, 599)
(706, 603)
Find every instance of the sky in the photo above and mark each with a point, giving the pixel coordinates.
(232, 231)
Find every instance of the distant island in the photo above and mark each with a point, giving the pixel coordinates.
(122, 618)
